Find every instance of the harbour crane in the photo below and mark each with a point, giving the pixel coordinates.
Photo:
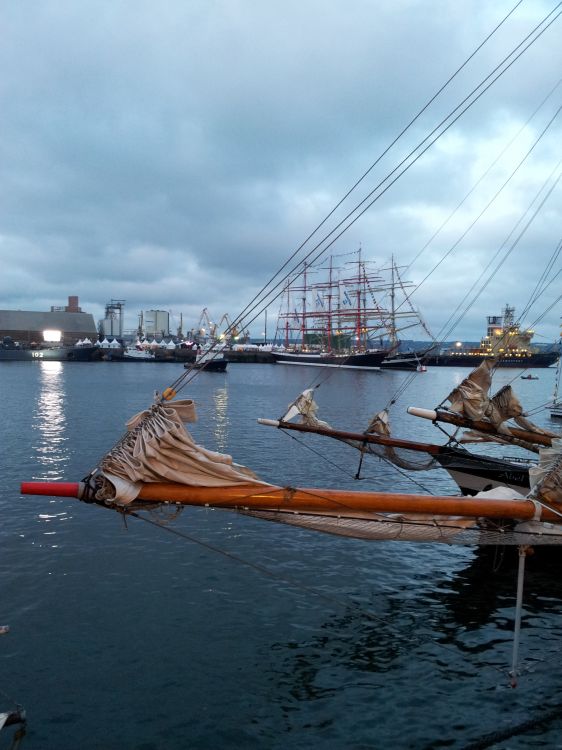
(205, 326)
(231, 332)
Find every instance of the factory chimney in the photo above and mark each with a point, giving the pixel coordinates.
(72, 306)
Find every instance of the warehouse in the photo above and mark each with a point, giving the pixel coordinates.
(64, 325)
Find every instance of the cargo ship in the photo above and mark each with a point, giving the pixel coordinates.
(504, 340)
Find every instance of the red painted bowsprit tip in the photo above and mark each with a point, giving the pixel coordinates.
(54, 489)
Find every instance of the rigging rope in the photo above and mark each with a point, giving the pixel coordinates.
(270, 290)
(348, 604)
(483, 176)
(453, 322)
(321, 250)
(466, 101)
(378, 159)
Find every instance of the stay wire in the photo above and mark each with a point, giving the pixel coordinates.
(516, 242)
(453, 322)
(345, 604)
(267, 295)
(482, 176)
(182, 380)
(459, 205)
(382, 154)
(542, 284)
(543, 290)
(273, 293)
(365, 453)
(443, 333)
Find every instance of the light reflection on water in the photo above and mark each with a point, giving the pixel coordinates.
(49, 422)
(220, 419)
(237, 658)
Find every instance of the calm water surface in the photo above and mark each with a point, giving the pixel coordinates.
(127, 636)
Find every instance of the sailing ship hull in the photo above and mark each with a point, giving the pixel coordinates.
(370, 360)
(540, 359)
(475, 473)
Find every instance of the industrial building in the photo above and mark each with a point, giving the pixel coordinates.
(62, 324)
(157, 323)
(112, 324)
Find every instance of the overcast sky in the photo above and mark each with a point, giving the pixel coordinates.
(174, 154)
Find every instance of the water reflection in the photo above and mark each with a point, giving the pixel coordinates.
(49, 422)
(220, 419)
(477, 594)
(446, 623)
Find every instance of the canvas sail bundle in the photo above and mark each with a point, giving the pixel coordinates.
(305, 408)
(471, 399)
(546, 477)
(158, 448)
(157, 461)
(405, 459)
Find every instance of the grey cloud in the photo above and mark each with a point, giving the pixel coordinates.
(175, 156)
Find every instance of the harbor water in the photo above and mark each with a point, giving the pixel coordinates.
(212, 630)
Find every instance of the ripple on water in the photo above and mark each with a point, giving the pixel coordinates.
(343, 644)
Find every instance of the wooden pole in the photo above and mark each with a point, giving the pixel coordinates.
(311, 500)
(437, 415)
(359, 437)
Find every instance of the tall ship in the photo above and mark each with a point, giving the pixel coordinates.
(504, 340)
(339, 316)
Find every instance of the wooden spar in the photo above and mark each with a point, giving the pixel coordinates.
(333, 502)
(437, 415)
(358, 437)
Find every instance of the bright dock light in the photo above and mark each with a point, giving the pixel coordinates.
(52, 336)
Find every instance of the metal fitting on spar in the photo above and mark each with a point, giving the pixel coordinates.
(55, 489)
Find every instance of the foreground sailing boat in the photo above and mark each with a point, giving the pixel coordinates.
(485, 417)
(157, 461)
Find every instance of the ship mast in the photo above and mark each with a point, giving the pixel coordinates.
(303, 321)
(287, 318)
(329, 321)
(392, 330)
(360, 279)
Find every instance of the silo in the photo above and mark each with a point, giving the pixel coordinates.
(157, 322)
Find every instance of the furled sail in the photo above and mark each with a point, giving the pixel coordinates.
(471, 399)
(546, 477)
(305, 408)
(158, 448)
(406, 459)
